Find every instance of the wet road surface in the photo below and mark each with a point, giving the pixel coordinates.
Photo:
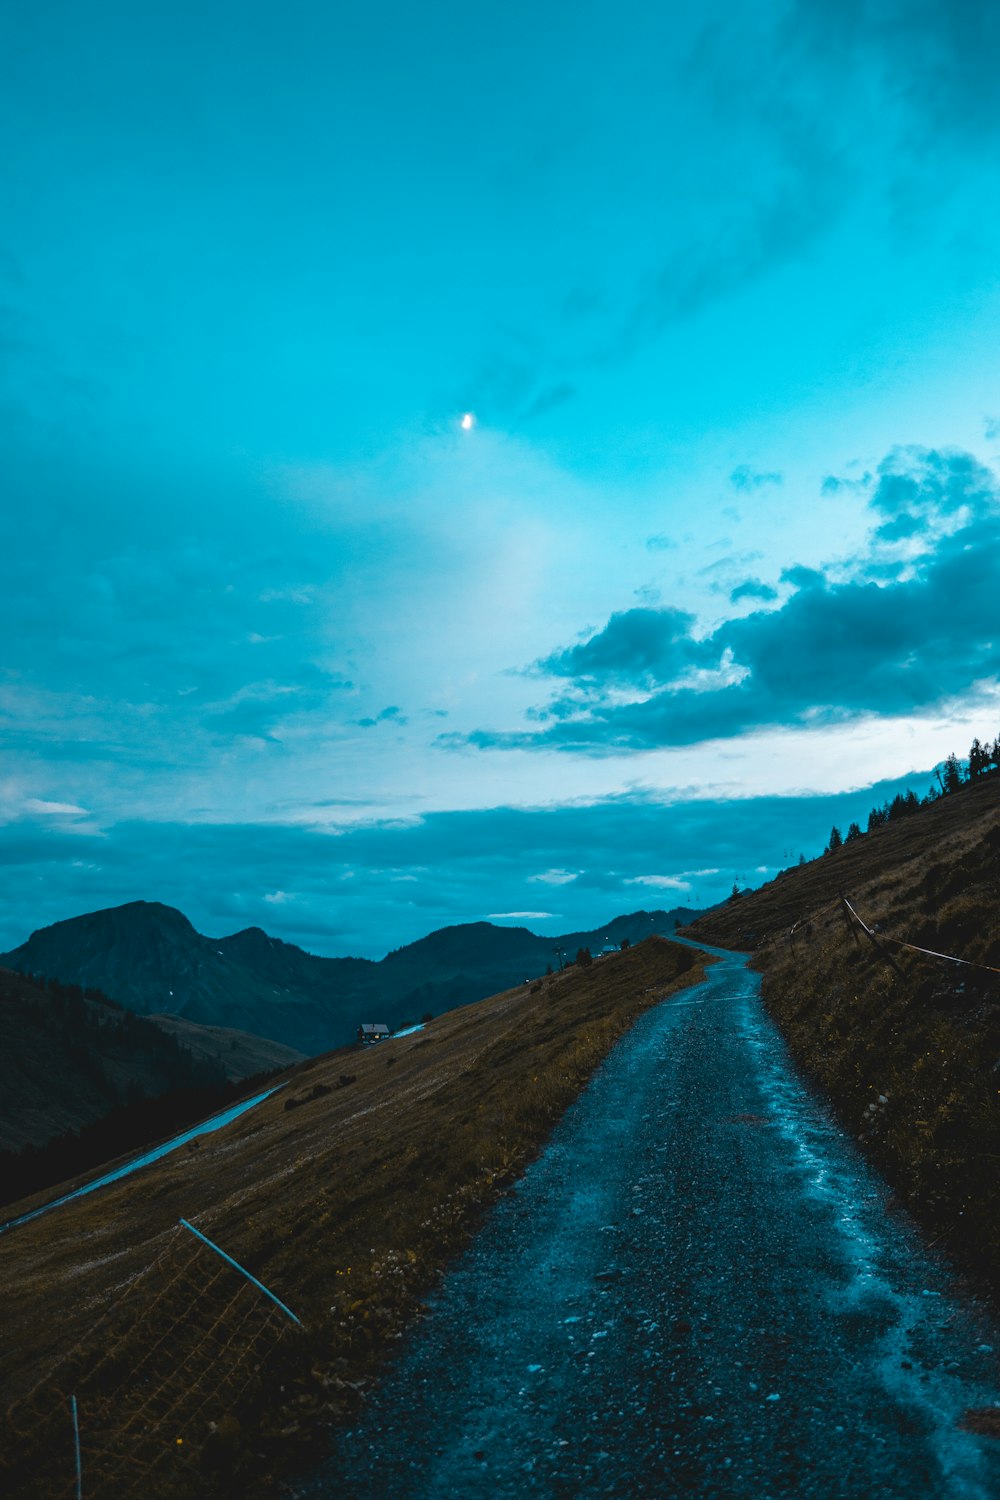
(698, 1290)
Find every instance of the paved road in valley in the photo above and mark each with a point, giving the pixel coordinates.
(145, 1158)
(698, 1290)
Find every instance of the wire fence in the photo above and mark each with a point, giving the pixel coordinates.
(150, 1386)
(881, 938)
(856, 923)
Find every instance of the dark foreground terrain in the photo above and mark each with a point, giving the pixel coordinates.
(699, 1289)
(345, 1192)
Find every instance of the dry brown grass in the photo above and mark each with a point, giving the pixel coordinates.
(983, 1420)
(347, 1205)
(893, 858)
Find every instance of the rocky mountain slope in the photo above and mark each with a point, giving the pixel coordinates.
(150, 958)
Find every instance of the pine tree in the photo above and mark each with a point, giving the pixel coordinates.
(875, 819)
(951, 777)
(836, 840)
(853, 832)
(979, 760)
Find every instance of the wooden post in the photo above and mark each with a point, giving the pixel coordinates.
(850, 912)
(846, 914)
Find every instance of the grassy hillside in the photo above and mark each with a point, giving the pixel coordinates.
(909, 1051)
(237, 1053)
(345, 1192)
(68, 1059)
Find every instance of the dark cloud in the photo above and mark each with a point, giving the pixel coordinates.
(746, 478)
(891, 639)
(549, 398)
(807, 110)
(938, 61)
(834, 484)
(918, 489)
(636, 646)
(388, 715)
(753, 588)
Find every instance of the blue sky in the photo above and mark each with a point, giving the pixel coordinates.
(286, 644)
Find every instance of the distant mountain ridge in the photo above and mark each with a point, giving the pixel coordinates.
(150, 958)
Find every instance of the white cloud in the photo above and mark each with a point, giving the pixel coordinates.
(497, 916)
(54, 809)
(661, 882)
(556, 877)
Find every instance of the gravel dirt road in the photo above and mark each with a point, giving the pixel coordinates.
(699, 1289)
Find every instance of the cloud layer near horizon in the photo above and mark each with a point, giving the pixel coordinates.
(377, 886)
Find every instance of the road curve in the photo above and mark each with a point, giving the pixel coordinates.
(699, 1290)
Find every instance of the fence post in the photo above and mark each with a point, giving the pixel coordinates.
(242, 1270)
(76, 1447)
(872, 938)
(844, 912)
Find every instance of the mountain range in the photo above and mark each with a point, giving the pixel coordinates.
(150, 958)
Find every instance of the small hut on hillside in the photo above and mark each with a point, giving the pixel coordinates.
(373, 1031)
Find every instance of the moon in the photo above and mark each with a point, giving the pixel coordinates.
(467, 422)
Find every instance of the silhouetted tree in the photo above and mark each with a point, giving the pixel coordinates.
(836, 840)
(853, 832)
(584, 957)
(951, 776)
(979, 760)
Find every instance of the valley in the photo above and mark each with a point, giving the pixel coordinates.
(150, 959)
(350, 1190)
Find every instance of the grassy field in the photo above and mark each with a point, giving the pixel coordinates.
(909, 1051)
(346, 1194)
